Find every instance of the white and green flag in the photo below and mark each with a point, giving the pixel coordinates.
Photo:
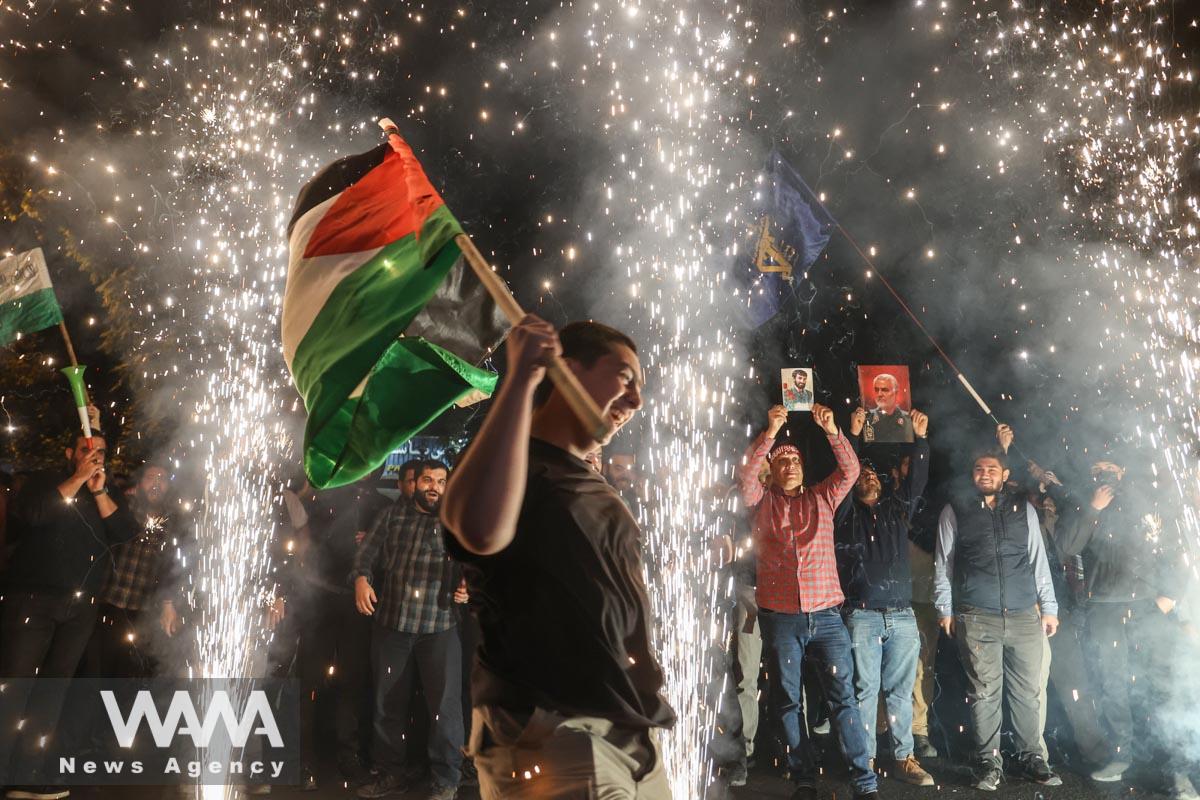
(27, 301)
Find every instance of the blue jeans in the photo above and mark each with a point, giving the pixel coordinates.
(821, 636)
(886, 646)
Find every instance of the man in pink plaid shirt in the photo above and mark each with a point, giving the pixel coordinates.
(799, 594)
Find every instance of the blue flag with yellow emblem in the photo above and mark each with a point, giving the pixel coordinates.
(791, 231)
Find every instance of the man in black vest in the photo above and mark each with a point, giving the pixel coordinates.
(994, 593)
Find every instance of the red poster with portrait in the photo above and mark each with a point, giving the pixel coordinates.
(887, 398)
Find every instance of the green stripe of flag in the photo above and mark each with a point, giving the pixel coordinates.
(355, 335)
(348, 444)
(28, 313)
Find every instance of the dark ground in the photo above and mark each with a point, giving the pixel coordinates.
(764, 783)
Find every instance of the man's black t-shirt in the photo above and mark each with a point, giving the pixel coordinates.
(563, 609)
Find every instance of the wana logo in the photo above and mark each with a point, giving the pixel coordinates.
(181, 719)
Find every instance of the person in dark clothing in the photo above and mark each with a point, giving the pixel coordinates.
(995, 597)
(1133, 581)
(131, 597)
(407, 480)
(872, 548)
(566, 687)
(413, 634)
(64, 524)
(335, 640)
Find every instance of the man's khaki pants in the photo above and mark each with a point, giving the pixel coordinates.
(749, 658)
(924, 687)
(546, 756)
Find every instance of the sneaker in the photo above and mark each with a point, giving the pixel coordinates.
(804, 791)
(1035, 768)
(1111, 772)
(387, 784)
(822, 727)
(923, 748)
(37, 793)
(987, 779)
(909, 771)
(737, 775)
(440, 791)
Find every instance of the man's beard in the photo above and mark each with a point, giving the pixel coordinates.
(425, 505)
(151, 506)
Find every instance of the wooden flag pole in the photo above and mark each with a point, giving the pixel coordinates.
(62, 326)
(564, 380)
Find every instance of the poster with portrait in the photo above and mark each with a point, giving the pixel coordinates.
(887, 398)
(797, 388)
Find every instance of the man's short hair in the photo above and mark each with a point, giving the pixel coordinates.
(990, 452)
(586, 342)
(71, 439)
(890, 378)
(428, 465)
(413, 464)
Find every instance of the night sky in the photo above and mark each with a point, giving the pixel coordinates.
(859, 98)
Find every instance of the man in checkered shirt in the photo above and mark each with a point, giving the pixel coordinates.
(799, 594)
(131, 587)
(406, 582)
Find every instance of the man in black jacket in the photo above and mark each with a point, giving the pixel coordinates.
(1133, 583)
(65, 524)
(872, 548)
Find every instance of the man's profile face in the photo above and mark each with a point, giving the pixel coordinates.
(622, 471)
(153, 485)
(885, 395)
(988, 475)
(408, 483)
(800, 379)
(430, 487)
(615, 382)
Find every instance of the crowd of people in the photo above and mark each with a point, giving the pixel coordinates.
(1044, 594)
(527, 555)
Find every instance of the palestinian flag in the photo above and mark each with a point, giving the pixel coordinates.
(384, 323)
(27, 301)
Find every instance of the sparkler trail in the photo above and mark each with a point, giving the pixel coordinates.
(192, 179)
(1115, 100)
(666, 87)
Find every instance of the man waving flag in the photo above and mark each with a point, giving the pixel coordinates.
(384, 325)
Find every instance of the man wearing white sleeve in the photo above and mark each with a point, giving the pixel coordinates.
(994, 595)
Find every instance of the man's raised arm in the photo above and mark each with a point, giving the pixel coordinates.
(484, 495)
(835, 487)
(748, 483)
